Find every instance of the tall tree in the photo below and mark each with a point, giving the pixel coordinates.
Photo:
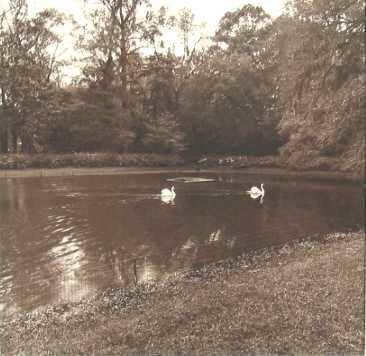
(129, 68)
(28, 60)
(228, 103)
(118, 32)
(3, 83)
(322, 76)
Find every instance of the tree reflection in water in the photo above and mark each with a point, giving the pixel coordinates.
(65, 237)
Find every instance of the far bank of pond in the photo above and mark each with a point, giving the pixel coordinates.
(85, 163)
(280, 173)
(304, 297)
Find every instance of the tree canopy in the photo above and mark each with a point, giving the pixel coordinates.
(293, 85)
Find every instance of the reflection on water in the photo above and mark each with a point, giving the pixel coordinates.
(258, 197)
(62, 238)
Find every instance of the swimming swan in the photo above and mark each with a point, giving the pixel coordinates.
(168, 192)
(168, 200)
(256, 191)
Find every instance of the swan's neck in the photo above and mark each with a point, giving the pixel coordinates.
(262, 188)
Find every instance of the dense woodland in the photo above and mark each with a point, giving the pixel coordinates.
(292, 86)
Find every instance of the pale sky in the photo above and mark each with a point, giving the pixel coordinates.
(206, 12)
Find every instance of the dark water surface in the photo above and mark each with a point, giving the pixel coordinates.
(62, 238)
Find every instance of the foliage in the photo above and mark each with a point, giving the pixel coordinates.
(27, 66)
(322, 80)
(132, 93)
(294, 84)
(21, 161)
(227, 104)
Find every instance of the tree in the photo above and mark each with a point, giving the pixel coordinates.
(119, 31)
(139, 86)
(322, 76)
(243, 30)
(28, 60)
(4, 124)
(228, 104)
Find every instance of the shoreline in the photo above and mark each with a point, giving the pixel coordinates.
(64, 164)
(304, 296)
(334, 176)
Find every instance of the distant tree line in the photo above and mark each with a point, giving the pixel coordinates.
(294, 84)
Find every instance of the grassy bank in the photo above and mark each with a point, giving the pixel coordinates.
(301, 164)
(305, 297)
(274, 173)
(93, 160)
(90, 160)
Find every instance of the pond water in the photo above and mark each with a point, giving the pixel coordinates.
(62, 238)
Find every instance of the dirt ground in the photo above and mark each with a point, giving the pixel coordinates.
(305, 297)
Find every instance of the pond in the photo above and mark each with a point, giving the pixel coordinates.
(62, 238)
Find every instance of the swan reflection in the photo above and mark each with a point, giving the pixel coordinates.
(215, 236)
(256, 196)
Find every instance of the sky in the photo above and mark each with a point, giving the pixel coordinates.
(207, 12)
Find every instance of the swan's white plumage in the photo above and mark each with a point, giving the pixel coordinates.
(166, 199)
(166, 192)
(256, 191)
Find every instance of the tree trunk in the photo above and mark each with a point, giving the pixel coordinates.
(123, 63)
(3, 142)
(10, 137)
(27, 146)
(3, 125)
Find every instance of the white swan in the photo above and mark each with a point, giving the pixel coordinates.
(168, 200)
(166, 192)
(167, 196)
(256, 191)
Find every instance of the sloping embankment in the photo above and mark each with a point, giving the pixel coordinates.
(303, 298)
(73, 163)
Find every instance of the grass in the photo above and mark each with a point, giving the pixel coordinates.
(92, 160)
(23, 161)
(306, 297)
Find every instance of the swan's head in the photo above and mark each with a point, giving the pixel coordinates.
(172, 189)
(262, 185)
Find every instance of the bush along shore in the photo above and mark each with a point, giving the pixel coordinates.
(303, 297)
(94, 160)
(23, 161)
(281, 161)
